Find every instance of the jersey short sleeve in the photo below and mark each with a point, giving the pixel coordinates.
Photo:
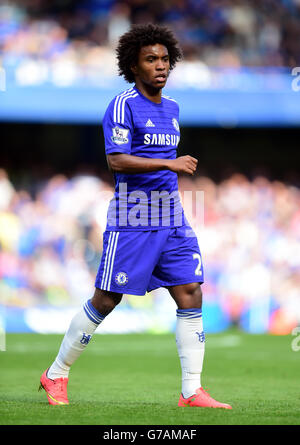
(117, 126)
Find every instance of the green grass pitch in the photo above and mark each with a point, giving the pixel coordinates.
(135, 380)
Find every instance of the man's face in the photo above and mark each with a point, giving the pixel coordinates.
(153, 65)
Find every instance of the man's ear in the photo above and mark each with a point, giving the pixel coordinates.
(134, 69)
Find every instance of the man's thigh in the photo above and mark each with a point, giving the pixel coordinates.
(180, 261)
(128, 260)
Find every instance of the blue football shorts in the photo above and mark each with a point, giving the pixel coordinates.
(134, 262)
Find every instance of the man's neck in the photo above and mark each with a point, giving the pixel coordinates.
(150, 93)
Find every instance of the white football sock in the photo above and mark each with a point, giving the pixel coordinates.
(190, 340)
(81, 329)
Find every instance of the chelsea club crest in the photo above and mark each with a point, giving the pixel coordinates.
(175, 124)
(121, 278)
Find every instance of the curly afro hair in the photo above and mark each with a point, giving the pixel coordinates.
(138, 36)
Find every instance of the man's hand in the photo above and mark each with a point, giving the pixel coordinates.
(129, 164)
(183, 164)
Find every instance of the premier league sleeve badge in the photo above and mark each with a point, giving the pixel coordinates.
(120, 135)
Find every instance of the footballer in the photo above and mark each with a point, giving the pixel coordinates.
(147, 243)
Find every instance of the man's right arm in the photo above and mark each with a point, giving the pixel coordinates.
(129, 164)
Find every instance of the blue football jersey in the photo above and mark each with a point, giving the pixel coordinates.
(137, 126)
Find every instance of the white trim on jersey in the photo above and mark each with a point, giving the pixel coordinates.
(109, 260)
(123, 100)
(119, 106)
(117, 100)
(169, 98)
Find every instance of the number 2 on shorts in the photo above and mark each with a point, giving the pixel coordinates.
(198, 271)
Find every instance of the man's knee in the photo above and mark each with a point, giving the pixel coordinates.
(187, 296)
(194, 295)
(105, 301)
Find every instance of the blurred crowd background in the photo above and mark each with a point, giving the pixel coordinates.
(63, 41)
(51, 231)
(250, 240)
